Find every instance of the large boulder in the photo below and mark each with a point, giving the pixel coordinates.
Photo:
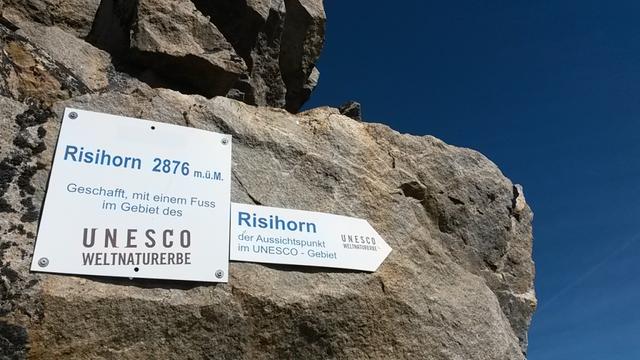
(458, 285)
(279, 40)
(257, 51)
(167, 44)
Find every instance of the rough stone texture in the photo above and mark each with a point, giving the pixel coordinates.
(302, 40)
(74, 16)
(90, 64)
(279, 40)
(167, 44)
(352, 109)
(262, 52)
(458, 285)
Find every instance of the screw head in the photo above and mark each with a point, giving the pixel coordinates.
(225, 141)
(43, 262)
(219, 274)
(73, 115)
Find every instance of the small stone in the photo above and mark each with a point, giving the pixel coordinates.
(351, 109)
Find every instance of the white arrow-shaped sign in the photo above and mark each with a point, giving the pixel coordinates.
(295, 237)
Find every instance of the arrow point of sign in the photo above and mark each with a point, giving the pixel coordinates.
(383, 248)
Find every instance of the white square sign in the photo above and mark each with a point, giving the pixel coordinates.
(136, 198)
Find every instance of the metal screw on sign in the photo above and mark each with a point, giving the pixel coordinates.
(73, 115)
(43, 262)
(219, 274)
(225, 141)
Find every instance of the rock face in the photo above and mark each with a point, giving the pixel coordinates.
(458, 285)
(257, 51)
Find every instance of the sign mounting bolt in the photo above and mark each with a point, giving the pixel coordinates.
(225, 141)
(73, 115)
(219, 274)
(43, 262)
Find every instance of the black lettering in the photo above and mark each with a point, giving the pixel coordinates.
(87, 258)
(110, 237)
(152, 242)
(86, 241)
(164, 238)
(185, 238)
(131, 235)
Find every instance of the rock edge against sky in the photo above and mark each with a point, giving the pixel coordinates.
(459, 283)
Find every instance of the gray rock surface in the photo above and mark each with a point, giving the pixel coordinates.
(352, 109)
(168, 44)
(458, 285)
(262, 52)
(302, 41)
(90, 64)
(73, 16)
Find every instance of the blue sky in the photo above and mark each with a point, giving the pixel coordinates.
(548, 90)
